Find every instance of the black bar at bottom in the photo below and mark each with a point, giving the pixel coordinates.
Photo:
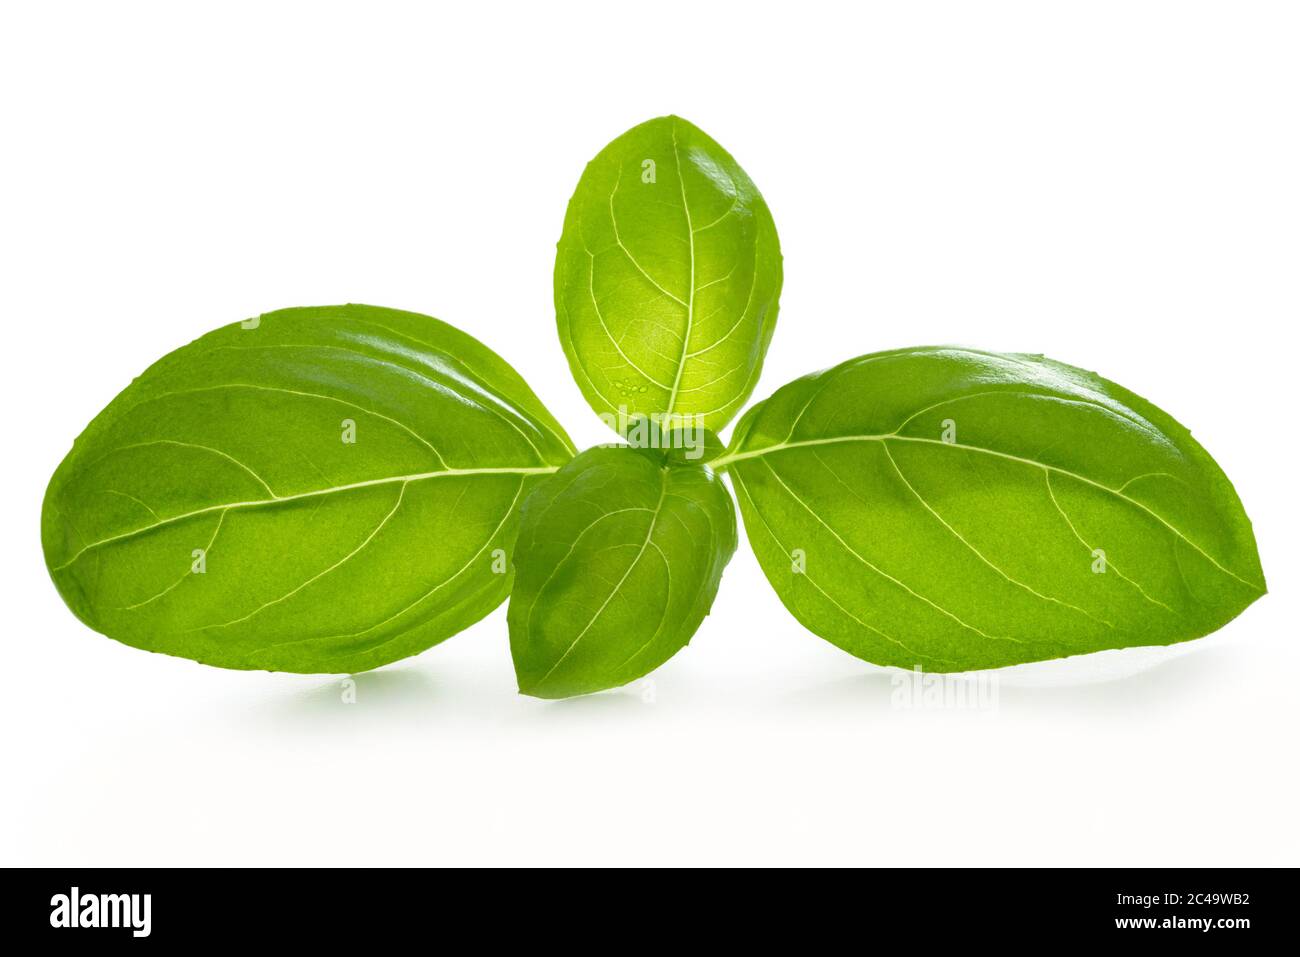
(216, 907)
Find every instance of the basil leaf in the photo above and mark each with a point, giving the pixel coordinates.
(666, 278)
(955, 509)
(619, 559)
(317, 490)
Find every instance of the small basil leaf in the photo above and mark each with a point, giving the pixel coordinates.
(667, 276)
(619, 559)
(955, 509)
(315, 490)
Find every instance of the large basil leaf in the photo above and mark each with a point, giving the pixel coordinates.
(666, 277)
(955, 509)
(315, 490)
(619, 559)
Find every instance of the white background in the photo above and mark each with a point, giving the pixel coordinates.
(1114, 185)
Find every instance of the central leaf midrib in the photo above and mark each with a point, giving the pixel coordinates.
(690, 302)
(727, 460)
(298, 496)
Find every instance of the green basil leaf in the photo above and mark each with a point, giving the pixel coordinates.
(619, 559)
(955, 510)
(316, 490)
(666, 278)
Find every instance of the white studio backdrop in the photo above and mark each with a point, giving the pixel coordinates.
(1111, 184)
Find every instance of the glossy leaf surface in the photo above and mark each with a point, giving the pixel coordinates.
(619, 559)
(956, 509)
(316, 490)
(667, 277)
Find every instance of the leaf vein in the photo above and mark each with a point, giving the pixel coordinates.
(883, 574)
